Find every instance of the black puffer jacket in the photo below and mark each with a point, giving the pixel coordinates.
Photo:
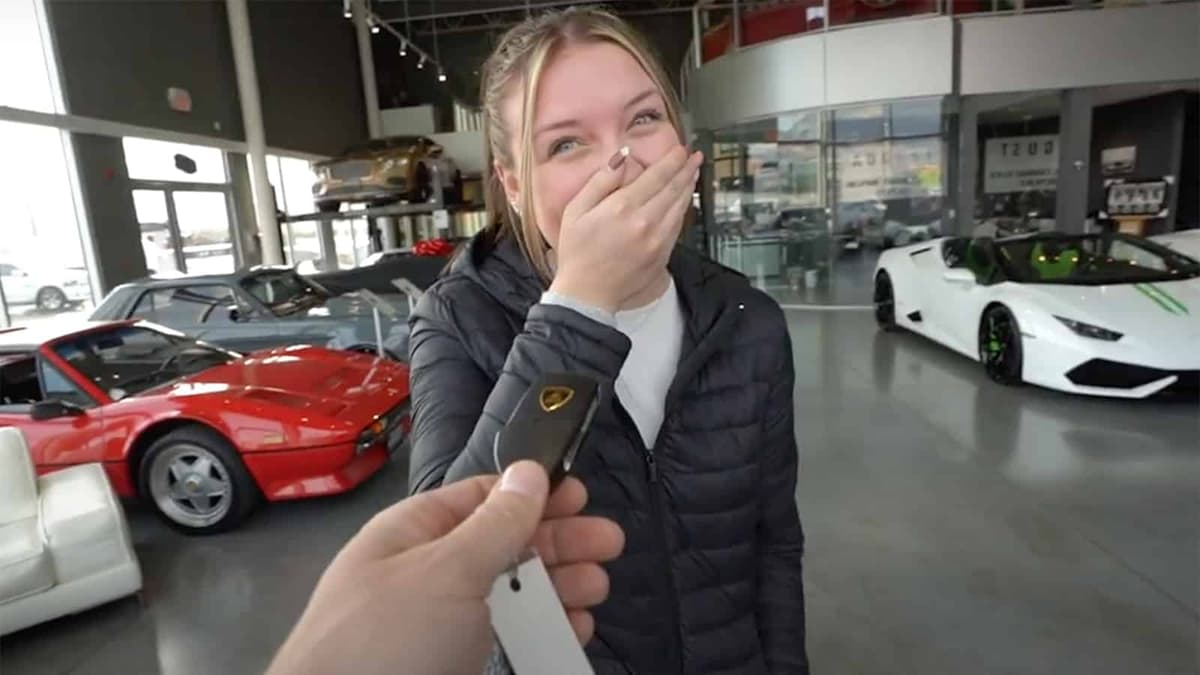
(710, 579)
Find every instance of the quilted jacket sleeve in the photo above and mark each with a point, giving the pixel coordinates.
(780, 582)
(457, 406)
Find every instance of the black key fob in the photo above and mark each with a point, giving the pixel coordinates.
(549, 424)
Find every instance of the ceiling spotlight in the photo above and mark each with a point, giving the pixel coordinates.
(374, 27)
(421, 63)
(346, 9)
(403, 48)
(441, 76)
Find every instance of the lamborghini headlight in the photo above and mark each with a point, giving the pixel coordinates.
(1090, 331)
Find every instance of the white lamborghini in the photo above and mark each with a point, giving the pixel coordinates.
(1100, 314)
(1186, 242)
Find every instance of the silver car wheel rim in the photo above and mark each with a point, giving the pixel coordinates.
(191, 485)
(52, 300)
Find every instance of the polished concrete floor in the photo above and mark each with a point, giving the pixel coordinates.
(954, 526)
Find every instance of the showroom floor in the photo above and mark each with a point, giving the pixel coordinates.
(954, 526)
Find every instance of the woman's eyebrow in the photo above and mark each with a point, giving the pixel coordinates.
(568, 123)
(641, 97)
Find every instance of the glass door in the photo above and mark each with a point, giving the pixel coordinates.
(185, 231)
(159, 244)
(205, 235)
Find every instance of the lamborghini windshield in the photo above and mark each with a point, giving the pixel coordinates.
(1091, 259)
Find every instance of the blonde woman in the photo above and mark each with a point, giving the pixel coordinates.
(693, 450)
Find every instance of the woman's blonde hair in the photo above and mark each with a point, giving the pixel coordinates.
(519, 58)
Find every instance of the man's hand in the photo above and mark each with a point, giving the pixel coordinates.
(406, 594)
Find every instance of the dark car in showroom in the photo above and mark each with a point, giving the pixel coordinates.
(264, 307)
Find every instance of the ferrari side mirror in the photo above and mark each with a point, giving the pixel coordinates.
(52, 410)
(235, 314)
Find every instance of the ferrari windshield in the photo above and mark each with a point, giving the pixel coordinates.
(1091, 259)
(127, 360)
(283, 292)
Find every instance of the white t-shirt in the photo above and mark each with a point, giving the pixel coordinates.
(655, 332)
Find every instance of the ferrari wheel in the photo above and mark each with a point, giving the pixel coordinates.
(885, 302)
(197, 481)
(1000, 345)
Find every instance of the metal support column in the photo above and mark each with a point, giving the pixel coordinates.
(256, 144)
(1074, 153)
(366, 66)
(389, 232)
(737, 26)
(328, 244)
(967, 170)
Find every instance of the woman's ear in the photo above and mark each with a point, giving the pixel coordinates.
(508, 180)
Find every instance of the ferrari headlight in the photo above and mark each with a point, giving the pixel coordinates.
(1090, 331)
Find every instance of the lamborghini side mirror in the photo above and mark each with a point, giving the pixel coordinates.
(959, 275)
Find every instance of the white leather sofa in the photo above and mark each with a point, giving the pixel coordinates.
(64, 542)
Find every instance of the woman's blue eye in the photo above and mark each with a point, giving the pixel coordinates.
(646, 117)
(563, 146)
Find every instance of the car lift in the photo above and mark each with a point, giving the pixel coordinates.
(386, 218)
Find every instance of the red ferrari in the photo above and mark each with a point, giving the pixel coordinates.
(200, 432)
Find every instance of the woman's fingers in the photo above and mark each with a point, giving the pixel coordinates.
(583, 624)
(595, 190)
(672, 221)
(580, 586)
(682, 185)
(563, 541)
(651, 181)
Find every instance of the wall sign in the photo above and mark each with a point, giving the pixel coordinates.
(1020, 164)
(1147, 198)
(1118, 161)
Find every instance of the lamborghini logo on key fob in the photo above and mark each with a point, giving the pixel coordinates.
(554, 397)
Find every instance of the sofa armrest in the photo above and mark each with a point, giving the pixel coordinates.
(82, 522)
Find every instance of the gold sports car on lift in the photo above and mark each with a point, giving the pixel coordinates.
(386, 170)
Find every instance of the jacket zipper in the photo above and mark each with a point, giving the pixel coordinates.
(659, 512)
(723, 325)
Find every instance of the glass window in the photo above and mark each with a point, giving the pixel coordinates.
(188, 305)
(915, 118)
(203, 219)
(1017, 179)
(56, 386)
(163, 161)
(25, 81)
(125, 360)
(283, 292)
(18, 380)
(40, 238)
(866, 123)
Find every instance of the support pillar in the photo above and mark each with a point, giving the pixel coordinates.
(256, 144)
(329, 259)
(967, 170)
(366, 66)
(390, 232)
(1074, 151)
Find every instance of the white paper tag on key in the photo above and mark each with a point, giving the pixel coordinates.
(531, 624)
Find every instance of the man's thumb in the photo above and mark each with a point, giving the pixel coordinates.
(500, 530)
